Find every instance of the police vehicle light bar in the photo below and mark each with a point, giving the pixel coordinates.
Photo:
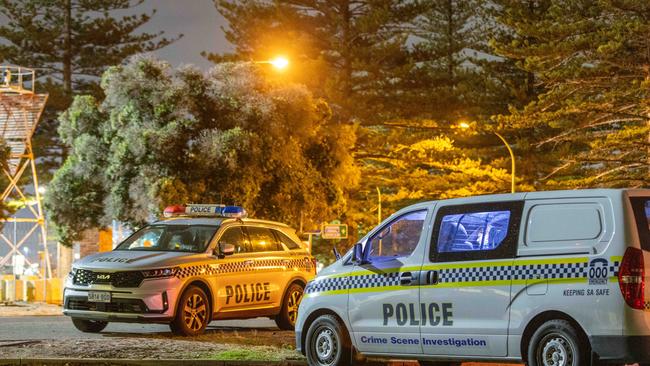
(208, 210)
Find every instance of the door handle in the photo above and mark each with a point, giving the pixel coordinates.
(249, 262)
(406, 279)
(432, 278)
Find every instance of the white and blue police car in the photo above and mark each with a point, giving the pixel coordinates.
(200, 263)
(547, 278)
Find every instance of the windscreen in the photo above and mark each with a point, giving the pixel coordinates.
(641, 208)
(170, 238)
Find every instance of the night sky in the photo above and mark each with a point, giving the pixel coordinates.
(197, 20)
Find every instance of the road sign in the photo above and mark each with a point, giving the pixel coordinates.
(334, 231)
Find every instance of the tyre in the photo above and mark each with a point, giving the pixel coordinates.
(327, 343)
(286, 320)
(557, 343)
(89, 326)
(192, 314)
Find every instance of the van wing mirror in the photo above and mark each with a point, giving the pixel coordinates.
(357, 254)
(226, 249)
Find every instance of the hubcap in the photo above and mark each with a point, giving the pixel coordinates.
(326, 346)
(292, 306)
(195, 312)
(557, 352)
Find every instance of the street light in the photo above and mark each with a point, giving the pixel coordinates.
(280, 63)
(465, 126)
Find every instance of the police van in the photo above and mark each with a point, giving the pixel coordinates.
(547, 278)
(200, 263)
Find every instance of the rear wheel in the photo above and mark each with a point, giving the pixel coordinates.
(89, 326)
(286, 320)
(557, 343)
(327, 343)
(193, 313)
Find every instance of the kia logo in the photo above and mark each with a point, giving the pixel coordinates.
(103, 276)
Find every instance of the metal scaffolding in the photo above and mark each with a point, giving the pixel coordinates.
(20, 110)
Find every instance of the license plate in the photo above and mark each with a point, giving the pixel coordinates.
(94, 296)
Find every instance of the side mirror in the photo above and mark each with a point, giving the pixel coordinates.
(225, 249)
(357, 254)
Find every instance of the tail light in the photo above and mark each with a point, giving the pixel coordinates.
(631, 278)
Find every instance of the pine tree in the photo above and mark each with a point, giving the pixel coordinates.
(70, 43)
(590, 126)
(350, 52)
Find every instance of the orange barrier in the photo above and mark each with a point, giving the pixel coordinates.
(31, 289)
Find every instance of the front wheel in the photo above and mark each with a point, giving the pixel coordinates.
(327, 343)
(193, 313)
(89, 326)
(557, 343)
(286, 320)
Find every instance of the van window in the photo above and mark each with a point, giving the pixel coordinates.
(641, 208)
(399, 238)
(476, 231)
(473, 231)
(570, 222)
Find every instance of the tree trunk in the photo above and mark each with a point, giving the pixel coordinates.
(67, 48)
(347, 55)
(450, 40)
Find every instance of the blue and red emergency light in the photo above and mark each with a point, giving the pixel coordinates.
(205, 210)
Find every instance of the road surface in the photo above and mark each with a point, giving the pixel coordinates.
(60, 327)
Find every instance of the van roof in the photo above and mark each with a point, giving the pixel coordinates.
(574, 193)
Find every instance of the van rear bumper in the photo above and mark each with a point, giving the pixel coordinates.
(621, 348)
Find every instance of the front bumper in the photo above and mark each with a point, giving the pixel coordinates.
(152, 302)
(621, 348)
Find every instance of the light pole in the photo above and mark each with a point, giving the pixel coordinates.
(465, 126)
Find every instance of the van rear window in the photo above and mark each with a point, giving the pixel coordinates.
(641, 207)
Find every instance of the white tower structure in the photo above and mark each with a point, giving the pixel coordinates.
(20, 110)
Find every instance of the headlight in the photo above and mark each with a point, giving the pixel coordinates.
(161, 272)
(73, 272)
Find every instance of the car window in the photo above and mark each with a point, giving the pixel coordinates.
(183, 238)
(290, 244)
(473, 231)
(262, 239)
(236, 237)
(399, 238)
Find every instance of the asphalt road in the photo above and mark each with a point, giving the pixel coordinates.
(60, 327)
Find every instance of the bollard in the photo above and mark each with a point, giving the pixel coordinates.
(10, 290)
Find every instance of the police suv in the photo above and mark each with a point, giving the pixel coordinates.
(201, 263)
(548, 278)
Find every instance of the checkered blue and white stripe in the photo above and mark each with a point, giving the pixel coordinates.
(460, 276)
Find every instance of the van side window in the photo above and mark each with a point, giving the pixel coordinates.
(476, 231)
(473, 231)
(399, 238)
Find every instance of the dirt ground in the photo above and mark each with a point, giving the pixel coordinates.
(29, 309)
(141, 348)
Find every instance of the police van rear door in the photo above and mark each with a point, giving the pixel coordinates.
(465, 292)
(384, 297)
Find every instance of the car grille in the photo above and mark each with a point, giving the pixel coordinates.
(85, 277)
(115, 306)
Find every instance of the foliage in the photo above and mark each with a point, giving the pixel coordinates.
(404, 73)
(70, 43)
(591, 124)
(165, 136)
